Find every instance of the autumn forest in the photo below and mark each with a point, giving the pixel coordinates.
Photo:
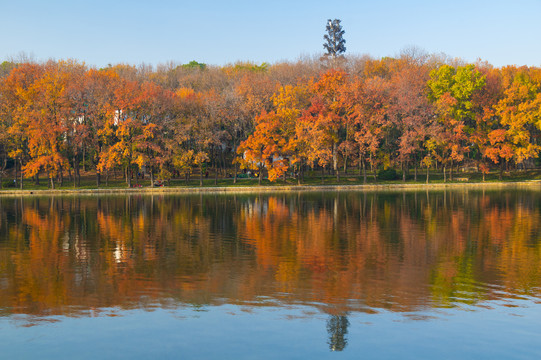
(341, 116)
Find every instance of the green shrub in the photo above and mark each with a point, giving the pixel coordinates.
(8, 184)
(388, 174)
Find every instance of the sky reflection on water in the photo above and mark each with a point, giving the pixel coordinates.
(232, 332)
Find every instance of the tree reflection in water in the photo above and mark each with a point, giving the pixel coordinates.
(337, 328)
(340, 253)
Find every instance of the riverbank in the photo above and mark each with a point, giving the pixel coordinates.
(531, 184)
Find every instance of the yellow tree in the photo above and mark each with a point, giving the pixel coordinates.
(520, 112)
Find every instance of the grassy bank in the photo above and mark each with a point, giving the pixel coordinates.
(312, 182)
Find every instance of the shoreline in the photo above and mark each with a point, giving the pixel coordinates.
(269, 189)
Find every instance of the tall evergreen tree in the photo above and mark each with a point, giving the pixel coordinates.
(335, 44)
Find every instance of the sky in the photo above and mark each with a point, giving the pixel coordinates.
(215, 32)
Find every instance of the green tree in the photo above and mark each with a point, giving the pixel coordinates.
(451, 90)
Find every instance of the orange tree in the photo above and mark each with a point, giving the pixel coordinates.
(122, 130)
(328, 115)
(47, 130)
(94, 133)
(410, 113)
(18, 94)
(370, 112)
(274, 143)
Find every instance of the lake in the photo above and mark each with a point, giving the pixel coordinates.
(307, 275)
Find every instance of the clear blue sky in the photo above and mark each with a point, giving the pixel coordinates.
(216, 32)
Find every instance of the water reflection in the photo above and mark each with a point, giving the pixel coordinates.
(337, 327)
(337, 252)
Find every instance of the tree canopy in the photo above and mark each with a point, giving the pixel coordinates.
(415, 111)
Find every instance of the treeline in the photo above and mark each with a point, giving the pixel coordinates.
(414, 111)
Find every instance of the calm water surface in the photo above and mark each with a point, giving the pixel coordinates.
(297, 276)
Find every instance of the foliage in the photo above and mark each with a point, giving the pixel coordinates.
(388, 174)
(335, 44)
(194, 65)
(61, 118)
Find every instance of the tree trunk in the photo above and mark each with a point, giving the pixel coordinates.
(98, 178)
(52, 181)
(128, 177)
(222, 165)
(322, 174)
(151, 178)
(364, 172)
(235, 175)
(299, 173)
(260, 173)
(415, 173)
(451, 171)
(4, 163)
(200, 176)
(215, 174)
(335, 160)
(74, 171)
(22, 174)
(403, 173)
(444, 173)
(427, 172)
